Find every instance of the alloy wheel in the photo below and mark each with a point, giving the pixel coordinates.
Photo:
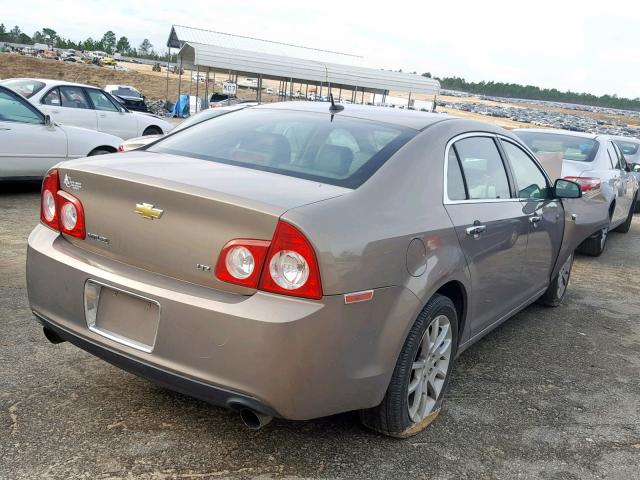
(429, 369)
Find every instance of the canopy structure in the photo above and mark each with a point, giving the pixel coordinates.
(205, 51)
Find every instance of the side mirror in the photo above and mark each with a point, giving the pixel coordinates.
(566, 189)
(636, 167)
(48, 121)
(627, 167)
(122, 110)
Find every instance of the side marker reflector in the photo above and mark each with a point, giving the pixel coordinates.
(357, 297)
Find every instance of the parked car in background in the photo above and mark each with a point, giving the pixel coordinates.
(139, 142)
(31, 143)
(128, 96)
(259, 233)
(599, 166)
(86, 106)
(630, 148)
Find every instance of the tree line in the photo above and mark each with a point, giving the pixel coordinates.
(530, 92)
(109, 42)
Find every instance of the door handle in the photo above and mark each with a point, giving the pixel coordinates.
(103, 115)
(55, 111)
(476, 230)
(535, 219)
(5, 128)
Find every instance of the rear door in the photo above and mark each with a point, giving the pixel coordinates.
(616, 181)
(111, 119)
(491, 226)
(545, 216)
(69, 105)
(627, 180)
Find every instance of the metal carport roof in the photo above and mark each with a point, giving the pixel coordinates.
(205, 49)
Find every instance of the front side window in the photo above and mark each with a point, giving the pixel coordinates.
(341, 151)
(530, 181)
(73, 97)
(621, 163)
(483, 169)
(100, 101)
(13, 110)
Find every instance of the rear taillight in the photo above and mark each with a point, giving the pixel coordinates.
(286, 265)
(61, 210)
(587, 184)
(241, 261)
(120, 148)
(291, 267)
(48, 200)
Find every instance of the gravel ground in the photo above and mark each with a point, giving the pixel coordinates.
(551, 394)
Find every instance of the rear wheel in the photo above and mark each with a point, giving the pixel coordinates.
(152, 131)
(594, 245)
(624, 227)
(421, 375)
(558, 287)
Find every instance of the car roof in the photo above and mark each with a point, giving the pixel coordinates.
(51, 82)
(559, 131)
(626, 139)
(401, 117)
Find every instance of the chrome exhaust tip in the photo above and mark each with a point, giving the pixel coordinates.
(253, 419)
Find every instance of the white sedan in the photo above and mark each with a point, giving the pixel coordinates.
(31, 143)
(88, 107)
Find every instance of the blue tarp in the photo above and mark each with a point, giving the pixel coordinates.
(181, 108)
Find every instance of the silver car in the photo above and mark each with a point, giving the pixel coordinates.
(297, 260)
(630, 148)
(598, 165)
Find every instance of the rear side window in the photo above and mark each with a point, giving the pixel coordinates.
(73, 97)
(482, 167)
(52, 98)
(338, 149)
(455, 181)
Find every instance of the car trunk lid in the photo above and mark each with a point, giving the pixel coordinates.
(172, 215)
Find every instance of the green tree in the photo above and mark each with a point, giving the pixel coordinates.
(123, 45)
(89, 44)
(38, 37)
(109, 41)
(145, 47)
(50, 36)
(427, 74)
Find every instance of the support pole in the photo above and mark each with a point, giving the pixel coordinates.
(362, 98)
(197, 87)
(206, 90)
(409, 101)
(259, 92)
(179, 80)
(166, 98)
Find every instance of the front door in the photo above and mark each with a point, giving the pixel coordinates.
(491, 227)
(545, 217)
(111, 119)
(28, 148)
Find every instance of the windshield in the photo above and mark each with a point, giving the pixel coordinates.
(340, 151)
(126, 92)
(628, 148)
(26, 88)
(564, 147)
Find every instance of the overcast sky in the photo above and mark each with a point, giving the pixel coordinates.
(581, 46)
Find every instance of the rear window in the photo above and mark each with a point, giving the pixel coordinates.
(340, 151)
(26, 88)
(126, 92)
(628, 148)
(564, 147)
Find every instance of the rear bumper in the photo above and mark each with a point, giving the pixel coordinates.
(174, 381)
(283, 356)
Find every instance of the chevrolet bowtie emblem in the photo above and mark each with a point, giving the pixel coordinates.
(148, 211)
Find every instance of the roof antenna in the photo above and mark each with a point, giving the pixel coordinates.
(335, 107)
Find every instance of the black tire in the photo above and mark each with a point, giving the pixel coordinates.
(595, 244)
(100, 151)
(558, 287)
(624, 227)
(391, 417)
(152, 131)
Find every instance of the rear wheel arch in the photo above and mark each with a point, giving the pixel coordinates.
(456, 292)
